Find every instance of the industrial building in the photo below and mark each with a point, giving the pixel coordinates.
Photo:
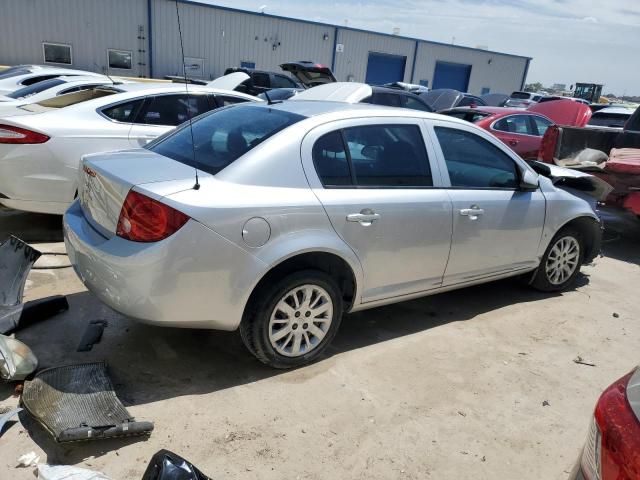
(139, 38)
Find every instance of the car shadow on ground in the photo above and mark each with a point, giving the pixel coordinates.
(149, 364)
(30, 227)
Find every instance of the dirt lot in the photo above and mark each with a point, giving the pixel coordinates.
(445, 387)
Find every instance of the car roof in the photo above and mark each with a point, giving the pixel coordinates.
(343, 110)
(620, 110)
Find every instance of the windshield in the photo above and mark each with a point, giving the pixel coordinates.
(35, 88)
(222, 136)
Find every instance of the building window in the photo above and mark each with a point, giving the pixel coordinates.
(122, 59)
(424, 83)
(485, 90)
(57, 53)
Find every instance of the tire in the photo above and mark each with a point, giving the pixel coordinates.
(561, 253)
(283, 336)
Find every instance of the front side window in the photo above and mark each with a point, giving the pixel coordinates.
(514, 124)
(260, 79)
(223, 136)
(172, 110)
(57, 53)
(123, 112)
(122, 59)
(473, 162)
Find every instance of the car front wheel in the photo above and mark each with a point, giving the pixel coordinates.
(561, 262)
(290, 322)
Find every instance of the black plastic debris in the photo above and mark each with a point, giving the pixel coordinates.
(92, 335)
(78, 403)
(166, 465)
(16, 260)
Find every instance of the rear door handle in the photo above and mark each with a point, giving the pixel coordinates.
(513, 143)
(366, 217)
(473, 213)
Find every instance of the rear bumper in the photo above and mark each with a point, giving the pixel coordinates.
(193, 279)
(576, 472)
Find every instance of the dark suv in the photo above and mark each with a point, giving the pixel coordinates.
(260, 81)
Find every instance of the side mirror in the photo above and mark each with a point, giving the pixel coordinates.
(529, 182)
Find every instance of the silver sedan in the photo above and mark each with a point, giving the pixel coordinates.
(277, 219)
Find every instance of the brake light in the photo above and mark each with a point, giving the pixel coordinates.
(548, 144)
(620, 434)
(143, 219)
(17, 135)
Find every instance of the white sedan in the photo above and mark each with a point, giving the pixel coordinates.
(24, 75)
(53, 87)
(41, 143)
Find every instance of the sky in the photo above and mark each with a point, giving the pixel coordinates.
(592, 41)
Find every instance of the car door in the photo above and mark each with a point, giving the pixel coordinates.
(378, 182)
(162, 113)
(517, 132)
(497, 226)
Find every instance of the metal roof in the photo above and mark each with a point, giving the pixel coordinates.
(310, 22)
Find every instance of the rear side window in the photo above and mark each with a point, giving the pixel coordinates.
(224, 100)
(280, 81)
(330, 160)
(382, 156)
(473, 162)
(415, 104)
(124, 112)
(514, 124)
(172, 110)
(540, 125)
(223, 136)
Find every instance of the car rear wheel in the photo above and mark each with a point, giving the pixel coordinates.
(561, 262)
(290, 322)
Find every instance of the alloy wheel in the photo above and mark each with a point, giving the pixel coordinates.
(300, 320)
(562, 260)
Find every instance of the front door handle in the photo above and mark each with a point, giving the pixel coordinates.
(365, 218)
(473, 213)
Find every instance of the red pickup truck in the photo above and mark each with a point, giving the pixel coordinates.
(618, 164)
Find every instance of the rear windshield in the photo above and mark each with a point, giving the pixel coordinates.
(35, 88)
(222, 136)
(469, 116)
(13, 72)
(521, 95)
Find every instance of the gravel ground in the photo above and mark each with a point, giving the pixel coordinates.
(445, 387)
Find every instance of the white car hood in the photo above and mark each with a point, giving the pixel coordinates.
(229, 82)
(349, 92)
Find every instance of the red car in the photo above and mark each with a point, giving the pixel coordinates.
(519, 129)
(612, 449)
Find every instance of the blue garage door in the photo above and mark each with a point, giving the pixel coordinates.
(384, 68)
(452, 75)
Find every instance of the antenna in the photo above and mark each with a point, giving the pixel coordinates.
(186, 87)
(269, 101)
(105, 70)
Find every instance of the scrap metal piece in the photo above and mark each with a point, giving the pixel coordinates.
(92, 335)
(17, 361)
(77, 402)
(166, 465)
(7, 416)
(16, 260)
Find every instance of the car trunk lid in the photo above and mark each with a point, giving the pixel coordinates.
(106, 179)
(309, 74)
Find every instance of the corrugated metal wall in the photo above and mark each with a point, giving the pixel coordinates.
(499, 73)
(89, 26)
(352, 63)
(224, 38)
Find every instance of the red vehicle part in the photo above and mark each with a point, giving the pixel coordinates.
(632, 203)
(620, 434)
(564, 112)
